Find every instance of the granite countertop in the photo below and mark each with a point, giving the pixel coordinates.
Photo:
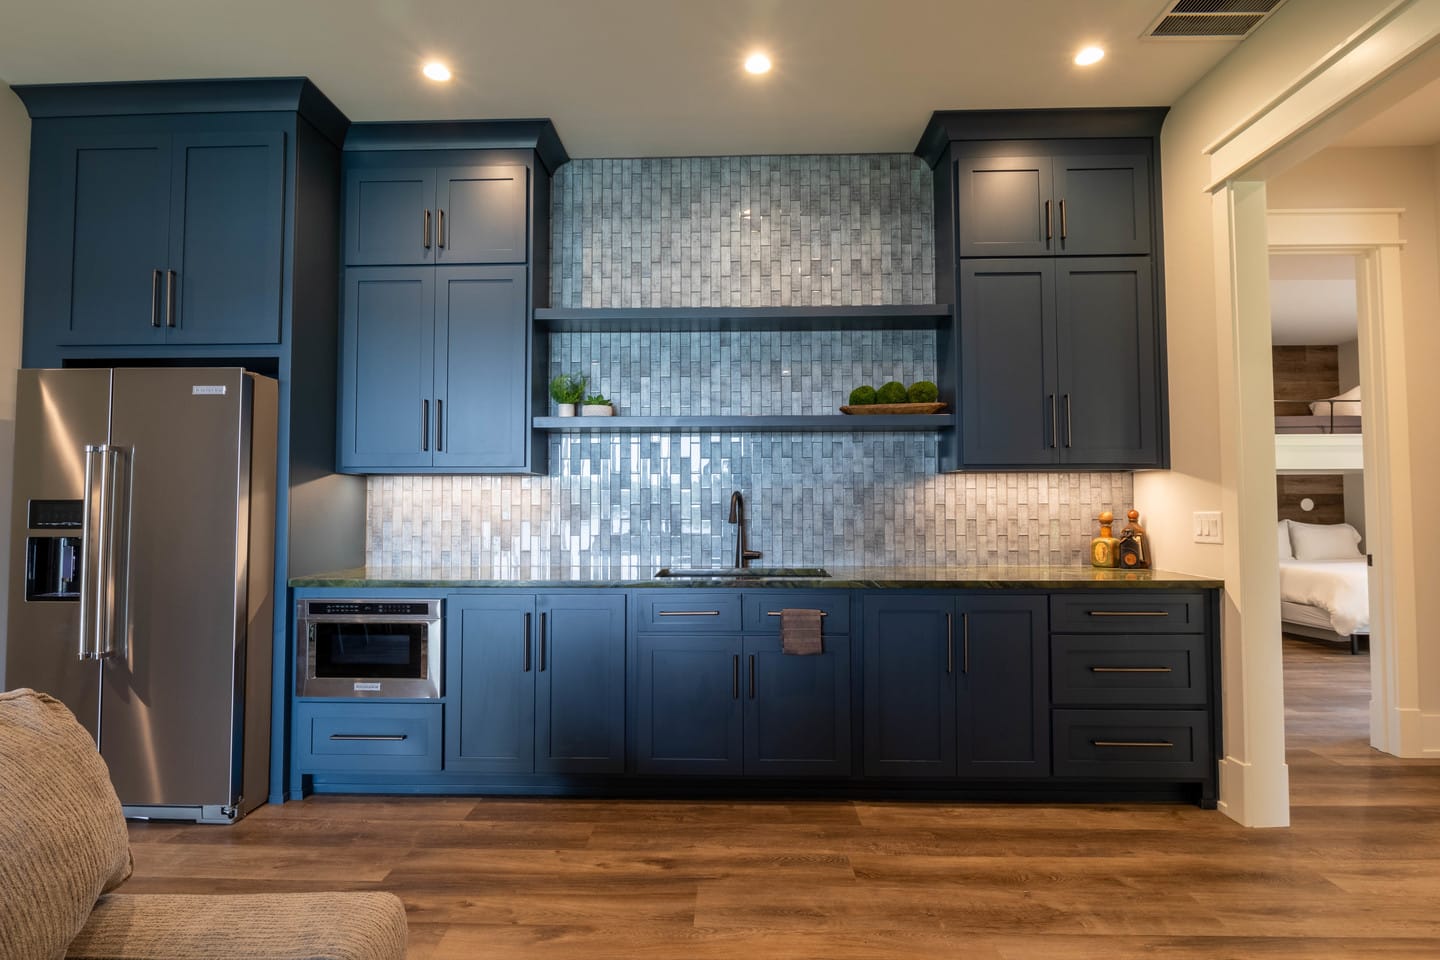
(625, 575)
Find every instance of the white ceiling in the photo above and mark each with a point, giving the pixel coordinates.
(1413, 122)
(1312, 299)
(633, 77)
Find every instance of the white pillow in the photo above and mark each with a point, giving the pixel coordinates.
(1282, 540)
(1325, 541)
(1346, 404)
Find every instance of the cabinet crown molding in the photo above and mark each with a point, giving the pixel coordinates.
(946, 126)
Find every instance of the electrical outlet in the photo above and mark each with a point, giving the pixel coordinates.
(1207, 527)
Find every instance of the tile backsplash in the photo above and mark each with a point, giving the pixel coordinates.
(742, 231)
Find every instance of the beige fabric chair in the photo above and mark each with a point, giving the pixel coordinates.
(64, 845)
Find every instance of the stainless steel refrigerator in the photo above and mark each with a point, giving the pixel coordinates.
(142, 563)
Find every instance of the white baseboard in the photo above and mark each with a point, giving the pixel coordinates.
(1254, 796)
(1419, 733)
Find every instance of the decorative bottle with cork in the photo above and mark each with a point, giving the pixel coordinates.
(1134, 551)
(1105, 549)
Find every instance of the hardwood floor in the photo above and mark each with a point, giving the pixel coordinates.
(1357, 876)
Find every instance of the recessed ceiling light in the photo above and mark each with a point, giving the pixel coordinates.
(1089, 55)
(757, 63)
(437, 71)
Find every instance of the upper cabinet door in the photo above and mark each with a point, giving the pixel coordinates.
(390, 215)
(114, 206)
(227, 215)
(481, 214)
(387, 378)
(1009, 408)
(1106, 341)
(1103, 204)
(1006, 207)
(482, 332)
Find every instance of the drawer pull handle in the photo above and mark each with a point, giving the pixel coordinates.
(372, 737)
(1132, 670)
(1129, 613)
(1131, 743)
(776, 613)
(689, 613)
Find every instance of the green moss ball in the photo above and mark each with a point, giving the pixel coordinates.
(861, 396)
(892, 392)
(923, 391)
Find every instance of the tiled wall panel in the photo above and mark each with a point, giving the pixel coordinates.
(740, 231)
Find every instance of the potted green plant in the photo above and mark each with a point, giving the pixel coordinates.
(566, 390)
(597, 406)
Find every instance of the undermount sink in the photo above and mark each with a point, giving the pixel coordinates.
(744, 573)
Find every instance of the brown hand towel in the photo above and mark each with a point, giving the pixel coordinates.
(800, 632)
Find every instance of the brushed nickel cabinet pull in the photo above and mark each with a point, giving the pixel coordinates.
(425, 234)
(965, 643)
(425, 425)
(776, 613)
(1069, 435)
(735, 677)
(1131, 670)
(1129, 613)
(1064, 230)
(525, 647)
(949, 643)
(1054, 424)
(1131, 743)
(752, 676)
(440, 230)
(155, 298)
(688, 613)
(372, 737)
(1049, 231)
(170, 298)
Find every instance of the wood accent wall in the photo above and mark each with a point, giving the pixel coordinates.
(1303, 374)
(1327, 490)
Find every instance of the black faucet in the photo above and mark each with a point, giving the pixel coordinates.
(737, 517)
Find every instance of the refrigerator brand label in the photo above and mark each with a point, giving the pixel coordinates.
(208, 390)
(370, 686)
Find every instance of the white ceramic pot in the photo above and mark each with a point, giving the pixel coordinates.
(597, 410)
(565, 409)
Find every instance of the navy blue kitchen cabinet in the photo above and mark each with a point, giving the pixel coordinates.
(162, 238)
(536, 683)
(689, 715)
(432, 372)
(426, 214)
(956, 686)
(797, 709)
(1058, 362)
(1043, 205)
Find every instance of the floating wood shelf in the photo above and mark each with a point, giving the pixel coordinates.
(926, 316)
(743, 424)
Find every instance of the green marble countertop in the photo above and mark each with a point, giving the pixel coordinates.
(622, 575)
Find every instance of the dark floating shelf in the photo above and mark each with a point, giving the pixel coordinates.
(752, 424)
(926, 316)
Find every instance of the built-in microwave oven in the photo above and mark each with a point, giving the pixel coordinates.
(368, 648)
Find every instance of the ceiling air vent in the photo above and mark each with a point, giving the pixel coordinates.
(1190, 19)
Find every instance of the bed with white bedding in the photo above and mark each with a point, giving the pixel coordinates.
(1324, 582)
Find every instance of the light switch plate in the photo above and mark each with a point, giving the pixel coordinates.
(1207, 527)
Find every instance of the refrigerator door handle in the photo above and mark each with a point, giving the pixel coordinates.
(112, 508)
(98, 590)
(89, 557)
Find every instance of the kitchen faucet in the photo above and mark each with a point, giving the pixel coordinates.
(737, 517)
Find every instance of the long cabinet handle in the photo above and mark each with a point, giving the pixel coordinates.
(1064, 229)
(1049, 230)
(776, 613)
(155, 298)
(949, 643)
(965, 643)
(542, 642)
(425, 234)
(425, 425)
(687, 613)
(1069, 435)
(1132, 670)
(170, 310)
(752, 676)
(1129, 613)
(1054, 424)
(440, 230)
(1131, 743)
(439, 424)
(525, 647)
(735, 677)
(371, 737)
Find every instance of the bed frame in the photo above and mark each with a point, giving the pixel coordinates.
(1312, 623)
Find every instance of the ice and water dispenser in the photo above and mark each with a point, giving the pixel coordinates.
(53, 558)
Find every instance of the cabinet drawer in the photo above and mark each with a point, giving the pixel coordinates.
(371, 737)
(1129, 671)
(1132, 744)
(688, 611)
(762, 609)
(1127, 612)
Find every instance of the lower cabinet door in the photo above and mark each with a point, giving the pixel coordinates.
(1003, 701)
(490, 686)
(368, 737)
(909, 686)
(580, 684)
(797, 709)
(688, 708)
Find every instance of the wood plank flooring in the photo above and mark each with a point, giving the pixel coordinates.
(1357, 876)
